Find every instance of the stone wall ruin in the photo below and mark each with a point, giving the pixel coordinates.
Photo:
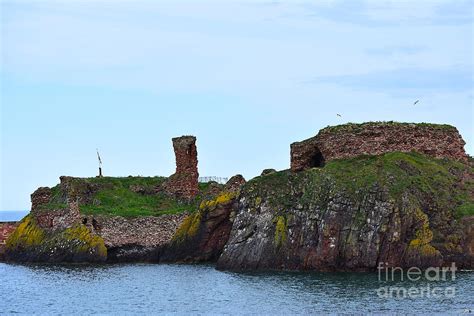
(352, 140)
(184, 182)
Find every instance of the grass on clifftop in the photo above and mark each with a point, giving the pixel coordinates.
(419, 175)
(123, 196)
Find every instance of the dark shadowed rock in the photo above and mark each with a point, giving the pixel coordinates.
(266, 172)
(202, 235)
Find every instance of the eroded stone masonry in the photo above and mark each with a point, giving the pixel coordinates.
(58, 218)
(184, 182)
(351, 140)
(6, 229)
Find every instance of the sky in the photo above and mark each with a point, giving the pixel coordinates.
(246, 77)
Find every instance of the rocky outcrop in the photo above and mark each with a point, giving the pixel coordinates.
(32, 243)
(234, 183)
(400, 208)
(60, 216)
(352, 140)
(351, 215)
(92, 238)
(267, 172)
(203, 234)
(184, 182)
(53, 232)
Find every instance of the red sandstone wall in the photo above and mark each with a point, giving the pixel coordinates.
(439, 141)
(184, 183)
(57, 218)
(6, 229)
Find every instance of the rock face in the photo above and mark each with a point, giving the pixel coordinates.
(56, 231)
(235, 183)
(53, 234)
(184, 183)
(352, 215)
(398, 204)
(352, 140)
(202, 235)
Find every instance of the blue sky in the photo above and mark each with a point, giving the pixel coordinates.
(246, 77)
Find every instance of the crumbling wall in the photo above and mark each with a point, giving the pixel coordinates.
(184, 182)
(6, 229)
(59, 217)
(351, 140)
(40, 197)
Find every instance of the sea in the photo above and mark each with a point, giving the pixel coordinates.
(12, 216)
(187, 289)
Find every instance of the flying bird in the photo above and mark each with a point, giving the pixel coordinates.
(339, 115)
(414, 103)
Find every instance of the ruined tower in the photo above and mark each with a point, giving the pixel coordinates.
(184, 182)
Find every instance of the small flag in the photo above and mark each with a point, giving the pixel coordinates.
(98, 156)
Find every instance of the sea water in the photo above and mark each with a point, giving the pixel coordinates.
(201, 289)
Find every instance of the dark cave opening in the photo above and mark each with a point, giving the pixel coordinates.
(317, 159)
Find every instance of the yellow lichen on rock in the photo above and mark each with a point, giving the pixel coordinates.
(192, 223)
(89, 241)
(225, 197)
(189, 227)
(27, 234)
(423, 237)
(193, 229)
(222, 198)
(280, 231)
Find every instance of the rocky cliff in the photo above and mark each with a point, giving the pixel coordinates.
(100, 219)
(404, 209)
(411, 204)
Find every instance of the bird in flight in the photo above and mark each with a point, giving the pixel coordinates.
(339, 115)
(414, 103)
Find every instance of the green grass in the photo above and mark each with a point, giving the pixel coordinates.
(414, 175)
(113, 196)
(397, 171)
(465, 209)
(123, 202)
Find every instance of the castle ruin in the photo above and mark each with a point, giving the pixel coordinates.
(184, 182)
(375, 138)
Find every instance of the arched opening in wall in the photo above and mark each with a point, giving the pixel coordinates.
(317, 159)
